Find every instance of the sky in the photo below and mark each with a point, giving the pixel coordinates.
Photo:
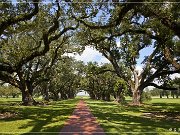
(90, 54)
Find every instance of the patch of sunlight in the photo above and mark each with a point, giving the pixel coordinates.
(131, 113)
(18, 126)
(60, 118)
(165, 131)
(52, 124)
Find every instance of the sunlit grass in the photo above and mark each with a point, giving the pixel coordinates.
(124, 119)
(114, 118)
(29, 119)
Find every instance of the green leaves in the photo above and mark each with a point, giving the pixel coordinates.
(121, 84)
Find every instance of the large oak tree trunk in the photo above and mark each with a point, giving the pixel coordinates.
(160, 95)
(27, 98)
(46, 95)
(103, 96)
(46, 92)
(107, 98)
(27, 90)
(136, 97)
(30, 91)
(136, 88)
(70, 93)
(92, 95)
(118, 98)
(55, 96)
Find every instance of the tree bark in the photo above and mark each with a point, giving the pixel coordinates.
(92, 96)
(136, 97)
(46, 95)
(13, 95)
(55, 96)
(45, 91)
(103, 96)
(30, 91)
(107, 98)
(26, 98)
(70, 94)
(118, 98)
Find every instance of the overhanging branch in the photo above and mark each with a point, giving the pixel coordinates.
(27, 16)
(162, 87)
(125, 9)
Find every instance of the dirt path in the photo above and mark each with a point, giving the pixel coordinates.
(82, 122)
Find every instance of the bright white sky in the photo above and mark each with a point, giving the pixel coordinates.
(90, 54)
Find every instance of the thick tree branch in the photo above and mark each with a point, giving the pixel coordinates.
(55, 37)
(8, 79)
(27, 16)
(46, 39)
(158, 73)
(165, 20)
(170, 58)
(125, 9)
(56, 51)
(147, 66)
(162, 87)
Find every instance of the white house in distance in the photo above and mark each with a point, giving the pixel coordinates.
(82, 93)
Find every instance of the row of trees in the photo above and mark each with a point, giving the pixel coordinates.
(137, 26)
(69, 76)
(101, 82)
(34, 36)
(161, 93)
(9, 91)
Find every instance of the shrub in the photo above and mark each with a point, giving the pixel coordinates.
(146, 96)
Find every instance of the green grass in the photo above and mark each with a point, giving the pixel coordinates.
(48, 118)
(115, 118)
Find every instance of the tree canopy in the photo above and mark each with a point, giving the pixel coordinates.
(35, 35)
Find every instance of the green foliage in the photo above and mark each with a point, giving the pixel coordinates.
(146, 96)
(121, 84)
(155, 92)
(27, 45)
(120, 90)
(9, 91)
(99, 80)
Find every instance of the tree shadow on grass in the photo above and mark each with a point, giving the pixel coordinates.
(44, 118)
(129, 119)
(174, 107)
(124, 123)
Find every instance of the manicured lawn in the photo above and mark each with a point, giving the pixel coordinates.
(158, 116)
(28, 119)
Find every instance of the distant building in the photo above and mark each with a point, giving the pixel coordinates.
(82, 93)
